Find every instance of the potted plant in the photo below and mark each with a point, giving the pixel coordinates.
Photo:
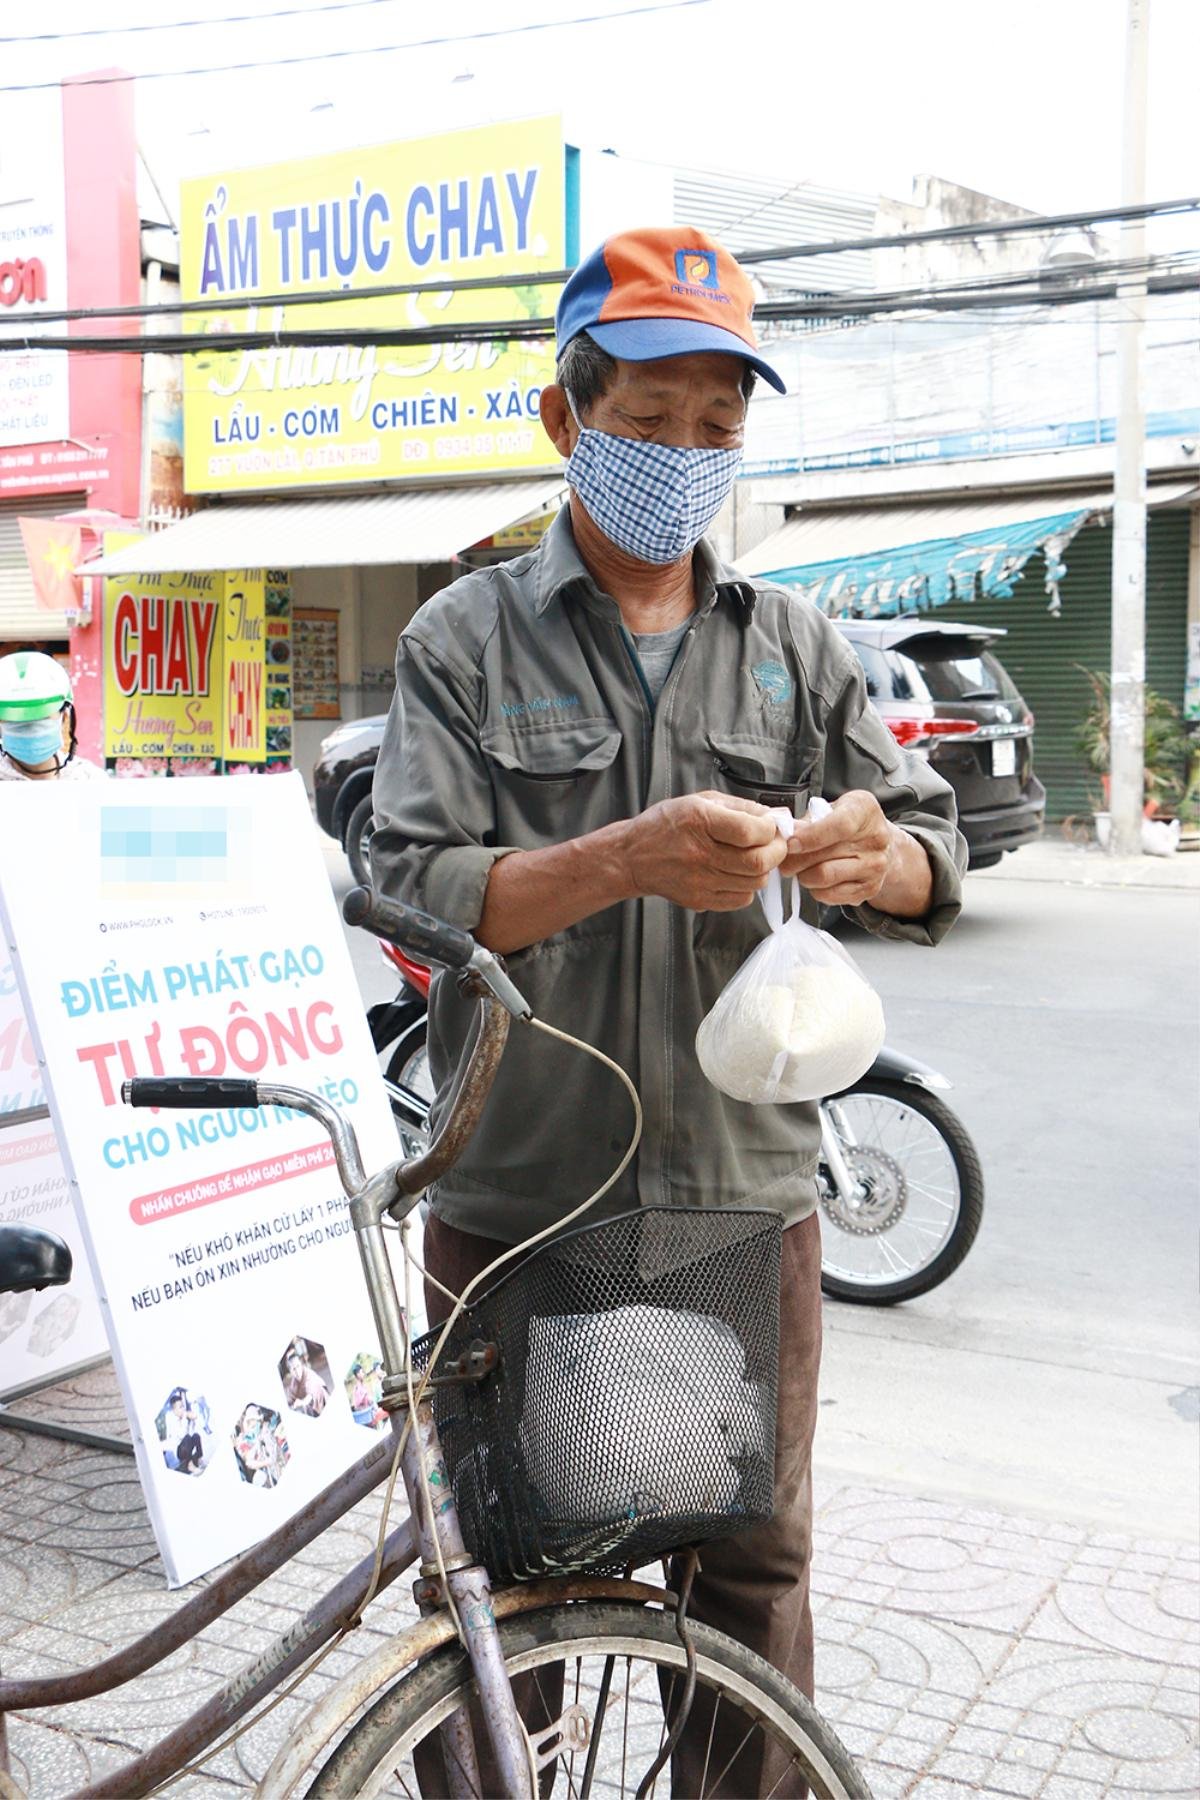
(1166, 751)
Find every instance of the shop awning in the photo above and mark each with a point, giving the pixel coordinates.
(877, 560)
(426, 526)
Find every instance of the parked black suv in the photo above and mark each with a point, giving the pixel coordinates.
(941, 692)
(938, 688)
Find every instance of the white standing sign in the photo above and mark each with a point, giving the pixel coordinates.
(41, 1335)
(163, 928)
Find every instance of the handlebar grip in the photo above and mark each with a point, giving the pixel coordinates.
(188, 1090)
(418, 933)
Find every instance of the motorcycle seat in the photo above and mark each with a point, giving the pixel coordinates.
(31, 1258)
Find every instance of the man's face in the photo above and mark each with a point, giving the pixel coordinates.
(694, 402)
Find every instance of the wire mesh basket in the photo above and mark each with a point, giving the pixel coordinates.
(632, 1408)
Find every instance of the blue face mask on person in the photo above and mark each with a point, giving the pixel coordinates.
(654, 501)
(32, 741)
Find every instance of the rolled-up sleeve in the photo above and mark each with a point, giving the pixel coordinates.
(435, 825)
(862, 753)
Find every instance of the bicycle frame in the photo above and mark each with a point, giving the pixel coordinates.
(432, 1539)
(447, 1567)
(290, 1650)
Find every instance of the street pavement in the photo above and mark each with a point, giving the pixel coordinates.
(1006, 1581)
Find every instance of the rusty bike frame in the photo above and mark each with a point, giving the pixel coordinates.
(391, 1193)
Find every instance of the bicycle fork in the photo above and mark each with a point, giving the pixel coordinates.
(436, 1518)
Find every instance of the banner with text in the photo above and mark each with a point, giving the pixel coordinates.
(245, 666)
(41, 1335)
(487, 201)
(208, 943)
(184, 670)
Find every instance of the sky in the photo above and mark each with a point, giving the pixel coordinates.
(1018, 98)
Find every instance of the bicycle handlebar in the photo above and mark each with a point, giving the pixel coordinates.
(418, 933)
(432, 940)
(188, 1090)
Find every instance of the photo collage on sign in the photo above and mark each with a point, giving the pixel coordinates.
(190, 1438)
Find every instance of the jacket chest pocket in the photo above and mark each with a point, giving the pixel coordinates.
(549, 780)
(775, 774)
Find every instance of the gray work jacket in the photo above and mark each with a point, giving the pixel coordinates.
(521, 719)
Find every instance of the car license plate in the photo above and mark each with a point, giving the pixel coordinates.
(1004, 756)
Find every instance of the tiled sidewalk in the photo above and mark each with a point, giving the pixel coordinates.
(966, 1652)
(960, 1652)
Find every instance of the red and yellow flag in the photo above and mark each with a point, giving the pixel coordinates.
(53, 548)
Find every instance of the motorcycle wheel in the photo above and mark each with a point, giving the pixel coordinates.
(406, 1074)
(359, 830)
(922, 1195)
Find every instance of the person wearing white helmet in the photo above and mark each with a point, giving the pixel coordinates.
(37, 721)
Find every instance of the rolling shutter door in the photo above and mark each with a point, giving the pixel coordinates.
(21, 618)
(1041, 653)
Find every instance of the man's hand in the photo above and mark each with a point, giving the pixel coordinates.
(855, 855)
(709, 852)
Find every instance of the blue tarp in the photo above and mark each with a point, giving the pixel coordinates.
(910, 577)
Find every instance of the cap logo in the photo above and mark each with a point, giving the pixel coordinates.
(696, 268)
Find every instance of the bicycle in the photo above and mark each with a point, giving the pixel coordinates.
(632, 1669)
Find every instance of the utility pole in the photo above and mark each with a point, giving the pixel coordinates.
(1127, 725)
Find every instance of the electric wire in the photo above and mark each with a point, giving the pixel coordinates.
(283, 12)
(991, 228)
(283, 337)
(554, 277)
(323, 56)
(1025, 287)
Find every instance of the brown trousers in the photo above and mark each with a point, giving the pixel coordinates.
(754, 1586)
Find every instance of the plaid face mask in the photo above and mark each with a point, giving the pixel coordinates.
(655, 501)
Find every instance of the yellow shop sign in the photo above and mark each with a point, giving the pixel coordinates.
(184, 669)
(489, 201)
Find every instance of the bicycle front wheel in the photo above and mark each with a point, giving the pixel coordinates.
(625, 1666)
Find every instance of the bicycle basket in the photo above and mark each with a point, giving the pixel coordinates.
(632, 1410)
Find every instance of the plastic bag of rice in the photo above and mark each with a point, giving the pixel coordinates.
(798, 1021)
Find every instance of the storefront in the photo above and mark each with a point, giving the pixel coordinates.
(1040, 562)
(357, 479)
(357, 567)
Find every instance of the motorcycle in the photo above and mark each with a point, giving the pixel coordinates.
(899, 1183)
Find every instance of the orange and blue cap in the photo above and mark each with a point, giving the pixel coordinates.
(656, 293)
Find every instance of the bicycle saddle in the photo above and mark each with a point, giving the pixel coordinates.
(30, 1258)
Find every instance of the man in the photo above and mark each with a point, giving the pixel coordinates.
(577, 767)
